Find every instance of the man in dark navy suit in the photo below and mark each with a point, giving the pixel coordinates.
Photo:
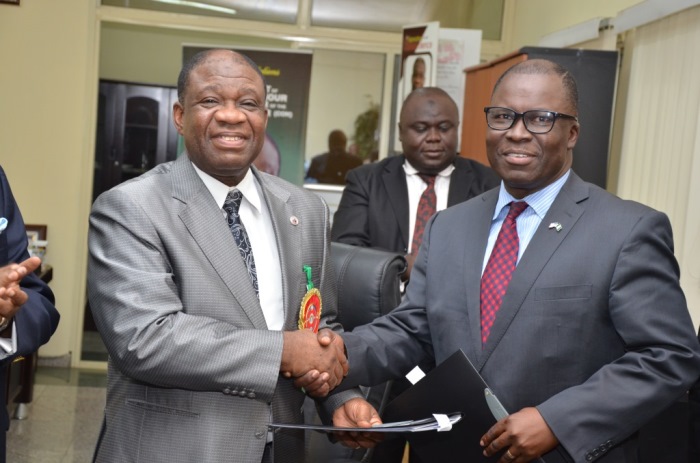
(28, 317)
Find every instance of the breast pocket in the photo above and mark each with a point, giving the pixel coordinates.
(555, 293)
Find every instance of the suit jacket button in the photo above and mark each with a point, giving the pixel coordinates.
(234, 392)
(589, 457)
(227, 391)
(260, 434)
(251, 395)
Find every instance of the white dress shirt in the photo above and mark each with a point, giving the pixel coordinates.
(416, 186)
(258, 224)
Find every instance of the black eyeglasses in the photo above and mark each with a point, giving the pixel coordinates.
(536, 121)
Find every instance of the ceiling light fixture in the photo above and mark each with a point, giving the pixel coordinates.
(203, 6)
(292, 38)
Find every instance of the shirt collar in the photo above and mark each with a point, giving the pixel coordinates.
(248, 187)
(540, 201)
(410, 170)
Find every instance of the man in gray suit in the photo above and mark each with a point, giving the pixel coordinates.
(593, 336)
(198, 328)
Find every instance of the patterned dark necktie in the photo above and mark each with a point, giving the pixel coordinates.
(426, 208)
(232, 205)
(499, 269)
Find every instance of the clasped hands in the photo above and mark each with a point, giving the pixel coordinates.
(12, 297)
(316, 362)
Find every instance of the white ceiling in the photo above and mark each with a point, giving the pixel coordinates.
(371, 15)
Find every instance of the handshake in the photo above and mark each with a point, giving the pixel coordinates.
(317, 362)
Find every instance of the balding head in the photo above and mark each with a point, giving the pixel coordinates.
(425, 93)
(545, 67)
(214, 53)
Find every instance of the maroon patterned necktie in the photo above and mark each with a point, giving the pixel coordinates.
(426, 208)
(499, 269)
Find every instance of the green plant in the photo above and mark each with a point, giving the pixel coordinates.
(365, 137)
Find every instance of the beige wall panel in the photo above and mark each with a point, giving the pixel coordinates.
(537, 18)
(660, 149)
(46, 126)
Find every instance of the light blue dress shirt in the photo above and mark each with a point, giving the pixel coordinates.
(528, 220)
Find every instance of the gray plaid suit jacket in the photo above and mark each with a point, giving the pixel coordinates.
(193, 370)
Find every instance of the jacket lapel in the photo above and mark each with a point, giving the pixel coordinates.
(396, 190)
(205, 223)
(289, 244)
(460, 182)
(565, 210)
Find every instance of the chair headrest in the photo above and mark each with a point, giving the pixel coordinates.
(368, 281)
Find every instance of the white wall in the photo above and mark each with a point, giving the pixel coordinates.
(47, 111)
(534, 19)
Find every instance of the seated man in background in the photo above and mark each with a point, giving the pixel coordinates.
(385, 203)
(332, 167)
(28, 316)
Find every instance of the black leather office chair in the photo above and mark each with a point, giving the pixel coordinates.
(369, 285)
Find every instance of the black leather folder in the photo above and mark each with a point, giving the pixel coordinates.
(453, 386)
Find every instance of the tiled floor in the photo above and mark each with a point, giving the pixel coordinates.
(63, 420)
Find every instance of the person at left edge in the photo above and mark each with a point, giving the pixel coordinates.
(199, 363)
(28, 316)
